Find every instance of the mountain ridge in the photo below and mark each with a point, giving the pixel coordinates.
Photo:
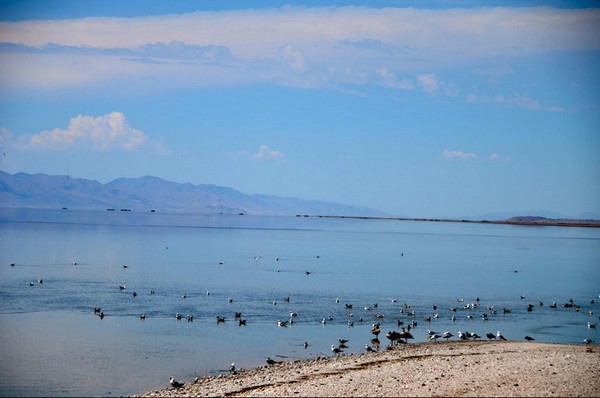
(153, 193)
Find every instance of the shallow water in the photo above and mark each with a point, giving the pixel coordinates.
(53, 344)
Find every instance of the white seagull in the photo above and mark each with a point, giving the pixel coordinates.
(499, 336)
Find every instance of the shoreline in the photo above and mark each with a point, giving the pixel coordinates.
(520, 221)
(454, 368)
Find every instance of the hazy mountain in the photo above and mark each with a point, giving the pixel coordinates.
(152, 193)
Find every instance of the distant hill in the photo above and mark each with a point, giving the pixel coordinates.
(537, 220)
(152, 193)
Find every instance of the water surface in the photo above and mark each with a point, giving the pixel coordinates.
(52, 343)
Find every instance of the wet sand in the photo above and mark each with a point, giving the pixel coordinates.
(424, 369)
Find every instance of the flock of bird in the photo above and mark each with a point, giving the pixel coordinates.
(403, 336)
(404, 314)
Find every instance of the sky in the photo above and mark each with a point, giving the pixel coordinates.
(415, 108)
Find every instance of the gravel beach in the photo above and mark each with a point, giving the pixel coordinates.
(469, 368)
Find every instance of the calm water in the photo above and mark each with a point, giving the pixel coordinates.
(52, 343)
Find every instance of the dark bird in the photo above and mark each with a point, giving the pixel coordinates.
(343, 341)
(305, 344)
(271, 361)
(178, 316)
(142, 316)
(220, 319)
(491, 336)
(375, 329)
(393, 337)
(242, 322)
(529, 338)
(336, 350)
(174, 383)
(232, 368)
(406, 335)
(368, 348)
(499, 336)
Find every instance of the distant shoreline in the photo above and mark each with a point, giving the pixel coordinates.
(518, 220)
(524, 221)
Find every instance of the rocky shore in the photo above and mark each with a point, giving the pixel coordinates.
(470, 368)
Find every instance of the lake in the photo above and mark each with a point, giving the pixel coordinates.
(52, 342)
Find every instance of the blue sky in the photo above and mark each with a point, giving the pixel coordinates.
(416, 108)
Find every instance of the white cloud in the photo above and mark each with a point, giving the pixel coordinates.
(457, 154)
(499, 158)
(92, 133)
(264, 152)
(292, 57)
(428, 83)
(389, 79)
(6, 138)
(513, 100)
(250, 46)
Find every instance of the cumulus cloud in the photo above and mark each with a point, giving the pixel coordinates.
(87, 132)
(428, 82)
(457, 154)
(264, 152)
(292, 57)
(389, 79)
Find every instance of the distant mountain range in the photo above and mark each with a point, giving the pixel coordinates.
(152, 193)
(148, 193)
